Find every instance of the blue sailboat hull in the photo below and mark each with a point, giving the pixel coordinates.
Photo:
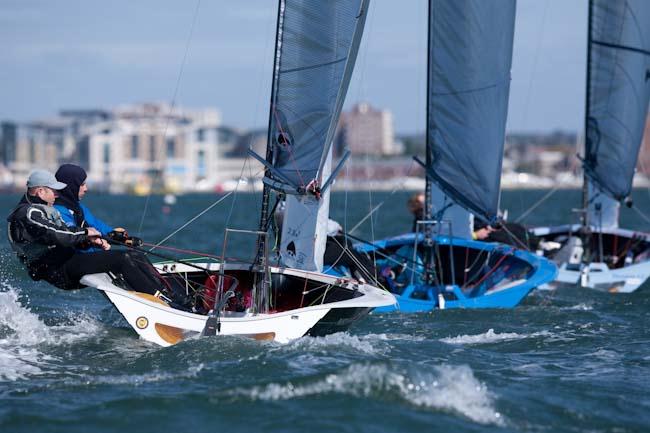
(499, 277)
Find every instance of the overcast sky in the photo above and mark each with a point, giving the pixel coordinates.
(98, 54)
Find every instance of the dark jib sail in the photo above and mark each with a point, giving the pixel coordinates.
(618, 89)
(317, 46)
(470, 55)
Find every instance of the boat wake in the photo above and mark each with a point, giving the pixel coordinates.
(23, 336)
(452, 389)
(490, 337)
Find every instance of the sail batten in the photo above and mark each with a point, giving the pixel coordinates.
(318, 44)
(470, 56)
(618, 91)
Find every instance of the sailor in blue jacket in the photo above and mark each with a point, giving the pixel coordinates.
(51, 250)
(73, 213)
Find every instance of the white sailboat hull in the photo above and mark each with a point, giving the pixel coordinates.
(601, 275)
(158, 323)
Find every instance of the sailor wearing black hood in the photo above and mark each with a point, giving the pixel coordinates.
(50, 250)
(68, 203)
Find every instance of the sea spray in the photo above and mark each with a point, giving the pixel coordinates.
(25, 338)
(20, 330)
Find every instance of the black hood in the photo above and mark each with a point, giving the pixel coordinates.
(73, 176)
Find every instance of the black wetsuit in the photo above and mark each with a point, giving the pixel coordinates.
(47, 247)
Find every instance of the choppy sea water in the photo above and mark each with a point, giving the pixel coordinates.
(566, 361)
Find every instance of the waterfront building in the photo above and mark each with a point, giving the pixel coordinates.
(43, 143)
(149, 147)
(138, 148)
(365, 130)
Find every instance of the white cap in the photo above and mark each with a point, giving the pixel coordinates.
(44, 178)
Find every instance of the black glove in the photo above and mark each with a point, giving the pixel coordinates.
(120, 235)
(132, 241)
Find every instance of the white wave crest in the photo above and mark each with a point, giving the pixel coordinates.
(359, 344)
(487, 337)
(451, 389)
(491, 337)
(391, 337)
(580, 307)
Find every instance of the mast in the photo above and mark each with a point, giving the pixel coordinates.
(585, 179)
(266, 194)
(584, 219)
(260, 293)
(427, 214)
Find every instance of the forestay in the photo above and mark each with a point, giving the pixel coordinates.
(617, 91)
(470, 55)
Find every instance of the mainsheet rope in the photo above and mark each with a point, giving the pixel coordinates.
(157, 245)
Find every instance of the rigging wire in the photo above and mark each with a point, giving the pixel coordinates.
(262, 75)
(399, 187)
(372, 225)
(535, 63)
(532, 79)
(191, 220)
(537, 204)
(515, 238)
(173, 104)
(645, 217)
(362, 269)
(194, 19)
(361, 68)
